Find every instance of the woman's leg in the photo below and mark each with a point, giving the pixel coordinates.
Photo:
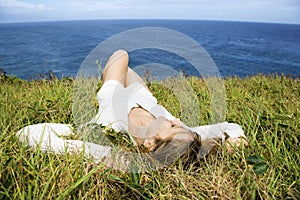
(133, 77)
(116, 67)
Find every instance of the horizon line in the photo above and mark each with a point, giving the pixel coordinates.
(149, 19)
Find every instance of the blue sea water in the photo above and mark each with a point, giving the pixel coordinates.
(238, 48)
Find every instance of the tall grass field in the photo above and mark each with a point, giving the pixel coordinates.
(267, 107)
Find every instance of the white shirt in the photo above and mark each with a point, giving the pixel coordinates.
(115, 103)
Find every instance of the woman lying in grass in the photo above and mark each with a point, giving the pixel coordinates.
(127, 105)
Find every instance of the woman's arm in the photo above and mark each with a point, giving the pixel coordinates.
(46, 137)
(219, 131)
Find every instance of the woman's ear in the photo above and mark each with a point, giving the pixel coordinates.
(148, 143)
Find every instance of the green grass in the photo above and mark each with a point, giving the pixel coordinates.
(267, 108)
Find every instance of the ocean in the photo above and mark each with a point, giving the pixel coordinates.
(29, 50)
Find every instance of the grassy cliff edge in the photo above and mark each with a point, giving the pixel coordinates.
(267, 107)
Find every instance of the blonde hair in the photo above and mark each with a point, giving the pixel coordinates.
(170, 150)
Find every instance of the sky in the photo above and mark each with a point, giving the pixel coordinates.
(274, 11)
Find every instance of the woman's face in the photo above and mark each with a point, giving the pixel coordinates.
(165, 130)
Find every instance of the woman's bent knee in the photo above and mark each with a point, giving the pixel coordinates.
(120, 52)
(117, 67)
